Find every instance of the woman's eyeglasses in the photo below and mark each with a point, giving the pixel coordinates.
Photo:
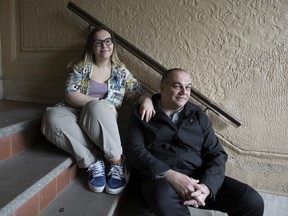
(107, 41)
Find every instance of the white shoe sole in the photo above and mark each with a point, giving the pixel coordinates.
(96, 189)
(118, 190)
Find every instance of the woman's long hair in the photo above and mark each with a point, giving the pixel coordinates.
(88, 55)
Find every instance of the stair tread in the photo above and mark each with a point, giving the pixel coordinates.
(30, 170)
(16, 120)
(76, 199)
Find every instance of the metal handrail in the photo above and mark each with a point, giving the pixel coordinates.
(153, 64)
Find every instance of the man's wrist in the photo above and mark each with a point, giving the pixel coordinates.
(161, 175)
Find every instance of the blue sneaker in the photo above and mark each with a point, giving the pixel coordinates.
(117, 181)
(97, 178)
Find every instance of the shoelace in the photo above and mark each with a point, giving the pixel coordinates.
(97, 169)
(116, 171)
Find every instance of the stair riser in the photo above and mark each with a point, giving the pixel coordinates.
(15, 143)
(48, 193)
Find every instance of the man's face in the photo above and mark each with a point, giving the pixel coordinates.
(175, 91)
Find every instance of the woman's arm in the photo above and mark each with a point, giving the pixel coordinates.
(77, 99)
(146, 107)
(135, 91)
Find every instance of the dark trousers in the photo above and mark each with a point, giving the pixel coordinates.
(234, 198)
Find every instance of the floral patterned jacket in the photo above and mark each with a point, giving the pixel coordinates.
(121, 85)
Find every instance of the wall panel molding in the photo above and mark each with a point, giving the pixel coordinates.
(30, 55)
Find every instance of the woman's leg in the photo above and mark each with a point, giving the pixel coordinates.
(60, 126)
(99, 122)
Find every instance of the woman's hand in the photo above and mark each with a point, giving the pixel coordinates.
(146, 108)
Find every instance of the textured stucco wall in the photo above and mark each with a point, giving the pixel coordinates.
(235, 50)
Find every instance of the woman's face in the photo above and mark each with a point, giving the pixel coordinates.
(103, 45)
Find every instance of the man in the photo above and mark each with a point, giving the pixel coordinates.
(181, 160)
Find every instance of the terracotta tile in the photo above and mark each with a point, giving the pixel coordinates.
(63, 180)
(31, 207)
(5, 148)
(47, 194)
(19, 142)
(24, 139)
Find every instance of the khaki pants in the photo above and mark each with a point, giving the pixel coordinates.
(78, 132)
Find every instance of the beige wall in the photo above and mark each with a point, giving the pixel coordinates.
(235, 50)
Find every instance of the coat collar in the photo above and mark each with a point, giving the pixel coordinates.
(189, 108)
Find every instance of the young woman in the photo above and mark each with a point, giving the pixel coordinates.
(85, 125)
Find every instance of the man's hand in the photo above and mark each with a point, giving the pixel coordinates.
(189, 189)
(183, 184)
(199, 196)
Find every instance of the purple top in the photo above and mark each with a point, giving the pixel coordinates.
(98, 90)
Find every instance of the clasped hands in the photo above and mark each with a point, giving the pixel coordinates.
(190, 190)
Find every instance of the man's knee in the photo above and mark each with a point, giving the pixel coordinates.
(163, 199)
(254, 202)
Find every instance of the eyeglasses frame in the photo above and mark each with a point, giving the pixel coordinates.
(103, 41)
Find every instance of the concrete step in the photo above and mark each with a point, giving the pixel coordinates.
(18, 116)
(32, 178)
(33, 171)
(19, 126)
(76, 199)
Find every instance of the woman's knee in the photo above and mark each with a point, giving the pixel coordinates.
(97, 111)
(94, 105)
(50, 116)
(56, 118)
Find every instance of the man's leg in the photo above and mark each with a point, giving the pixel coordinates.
(237, 199)
(163, 199)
